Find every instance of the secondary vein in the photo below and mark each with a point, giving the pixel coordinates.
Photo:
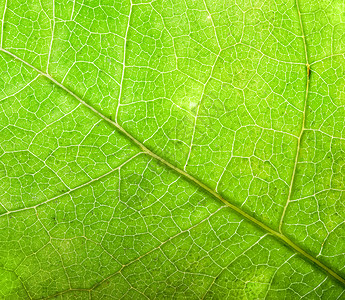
(293, 177)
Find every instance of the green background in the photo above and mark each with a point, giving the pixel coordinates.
(188, 149)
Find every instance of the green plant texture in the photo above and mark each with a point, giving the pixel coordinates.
(172, 149)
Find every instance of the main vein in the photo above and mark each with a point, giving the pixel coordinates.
(293, 177)
(200, 184)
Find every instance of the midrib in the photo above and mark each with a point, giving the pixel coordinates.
(245, 215)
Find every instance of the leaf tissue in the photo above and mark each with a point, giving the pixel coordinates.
(172, 149)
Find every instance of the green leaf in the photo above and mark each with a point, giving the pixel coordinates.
(172, 149)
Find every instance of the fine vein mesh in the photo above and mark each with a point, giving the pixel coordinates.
(172, 149)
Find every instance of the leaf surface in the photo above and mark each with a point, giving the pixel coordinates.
(172, 149)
